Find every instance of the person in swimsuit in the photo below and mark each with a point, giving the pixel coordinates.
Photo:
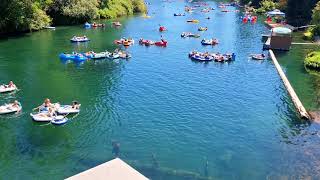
(11, 84)
(75, 105)
(16, 104)
(45, 107)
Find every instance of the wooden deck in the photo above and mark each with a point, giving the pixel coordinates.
(115, 169)
(274, 25)
(296, 43)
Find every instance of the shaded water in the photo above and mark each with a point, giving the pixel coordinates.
(227, 121)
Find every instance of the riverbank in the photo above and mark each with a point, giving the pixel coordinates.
(34, 16)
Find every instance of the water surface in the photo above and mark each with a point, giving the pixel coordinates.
(226, 121)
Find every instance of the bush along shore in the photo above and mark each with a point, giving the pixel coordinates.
(312, 60)
(32, 15)
(298, 12)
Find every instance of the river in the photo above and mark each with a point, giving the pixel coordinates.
(174, 118)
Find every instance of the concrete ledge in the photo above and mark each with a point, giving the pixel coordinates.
(115, 169)
(296, 101)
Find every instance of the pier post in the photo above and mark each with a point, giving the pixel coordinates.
(295, 99)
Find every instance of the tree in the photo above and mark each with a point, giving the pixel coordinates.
(299, 12)
(81, 10)
(316, 14)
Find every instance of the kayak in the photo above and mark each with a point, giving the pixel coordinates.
(59, 121)
(67, 109)
(42, 117)
(4, 89)
(8, 109)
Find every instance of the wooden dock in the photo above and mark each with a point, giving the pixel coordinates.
(274, 25)
(115, 169)
(295, 99)
(303, 27)
(297, 43)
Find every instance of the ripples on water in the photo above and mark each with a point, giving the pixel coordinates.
(229, 121)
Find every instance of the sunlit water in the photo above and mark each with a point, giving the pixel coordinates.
(226, 121)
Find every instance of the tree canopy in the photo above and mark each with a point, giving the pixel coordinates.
(26, 15)
(299, 12)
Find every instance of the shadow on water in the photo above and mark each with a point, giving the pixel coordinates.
(149, 170)
(152, 169)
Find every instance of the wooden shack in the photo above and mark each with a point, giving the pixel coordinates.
(280, 39)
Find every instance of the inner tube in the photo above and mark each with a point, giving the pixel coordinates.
(59, 121)
(4, 89)
(67, 109)
(7, 109)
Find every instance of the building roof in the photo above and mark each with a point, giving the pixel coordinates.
(115, 169)
(281, 30)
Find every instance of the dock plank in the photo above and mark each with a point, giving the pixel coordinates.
(115, 169)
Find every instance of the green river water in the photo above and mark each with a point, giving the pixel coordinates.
(174, 118)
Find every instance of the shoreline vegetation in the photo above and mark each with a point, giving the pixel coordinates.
(298, 13)
(312, 60)
(18, 16)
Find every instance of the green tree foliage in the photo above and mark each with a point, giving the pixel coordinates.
(22, 15)
(267, 5)
(81, 10)
(116, 8)
(282, 4)
(25, 15)
(312, 60)
(299, 12)
(39, 18)
(316, 14)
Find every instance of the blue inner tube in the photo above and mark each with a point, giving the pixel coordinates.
(79, 58)
(59, 121)
(200, 58)
(87, 25)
